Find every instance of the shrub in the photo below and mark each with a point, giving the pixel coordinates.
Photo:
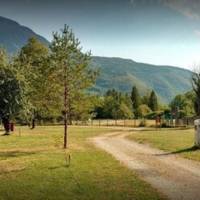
(143, 123)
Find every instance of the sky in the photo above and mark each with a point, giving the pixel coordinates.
(163, 32)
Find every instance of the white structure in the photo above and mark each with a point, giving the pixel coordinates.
(197, 132)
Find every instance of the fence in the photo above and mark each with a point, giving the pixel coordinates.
(185, 122)
(120, 123)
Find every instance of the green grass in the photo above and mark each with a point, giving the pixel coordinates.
(176, 141)
(33, 166)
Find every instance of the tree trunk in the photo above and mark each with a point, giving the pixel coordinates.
(33, 123)
(6, 124)
(65, 119)
(65, 110)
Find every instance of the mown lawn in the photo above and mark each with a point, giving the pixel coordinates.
(34, 166)
(176, 141)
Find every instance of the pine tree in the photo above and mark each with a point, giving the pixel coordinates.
(72, 72)
(135, 98)
(153, 101)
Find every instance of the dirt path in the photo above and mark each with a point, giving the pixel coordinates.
(177, 178)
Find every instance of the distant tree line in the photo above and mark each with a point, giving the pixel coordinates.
(116, 105)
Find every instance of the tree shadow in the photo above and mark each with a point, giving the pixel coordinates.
(190, 149)
(5, 134)
(162, 129)
(14, 154)
(58, 167)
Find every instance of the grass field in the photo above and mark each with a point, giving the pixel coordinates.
(34, 166)
(176, 141)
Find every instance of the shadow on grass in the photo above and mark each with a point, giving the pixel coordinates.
(187, 150)
(162, 129)
(58, 167)
(14, 154)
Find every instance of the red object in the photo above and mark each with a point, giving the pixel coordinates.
(12, 127)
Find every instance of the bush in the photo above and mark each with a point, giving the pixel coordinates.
(143, 123)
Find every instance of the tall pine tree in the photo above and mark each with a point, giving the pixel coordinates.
(73, 74)
(153, 101)
(135, 98)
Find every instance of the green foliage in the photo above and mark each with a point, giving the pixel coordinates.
(33, 62)
(44, 75)
(82, 108)
(33, 52)
(143, 110)
(114, 105)
(3, 58)
(135, 98)
(196, 89)
(11, 89)
(153, 101)
(184, 103)
(72, 74)
(145, 99)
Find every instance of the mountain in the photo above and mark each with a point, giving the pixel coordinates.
(13, 35)
(123, 74)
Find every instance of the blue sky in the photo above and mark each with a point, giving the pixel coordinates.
(163, 32)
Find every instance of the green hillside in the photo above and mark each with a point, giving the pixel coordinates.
(122, 74)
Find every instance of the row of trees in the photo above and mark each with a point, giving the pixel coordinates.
(115, 105)
(126, 106)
